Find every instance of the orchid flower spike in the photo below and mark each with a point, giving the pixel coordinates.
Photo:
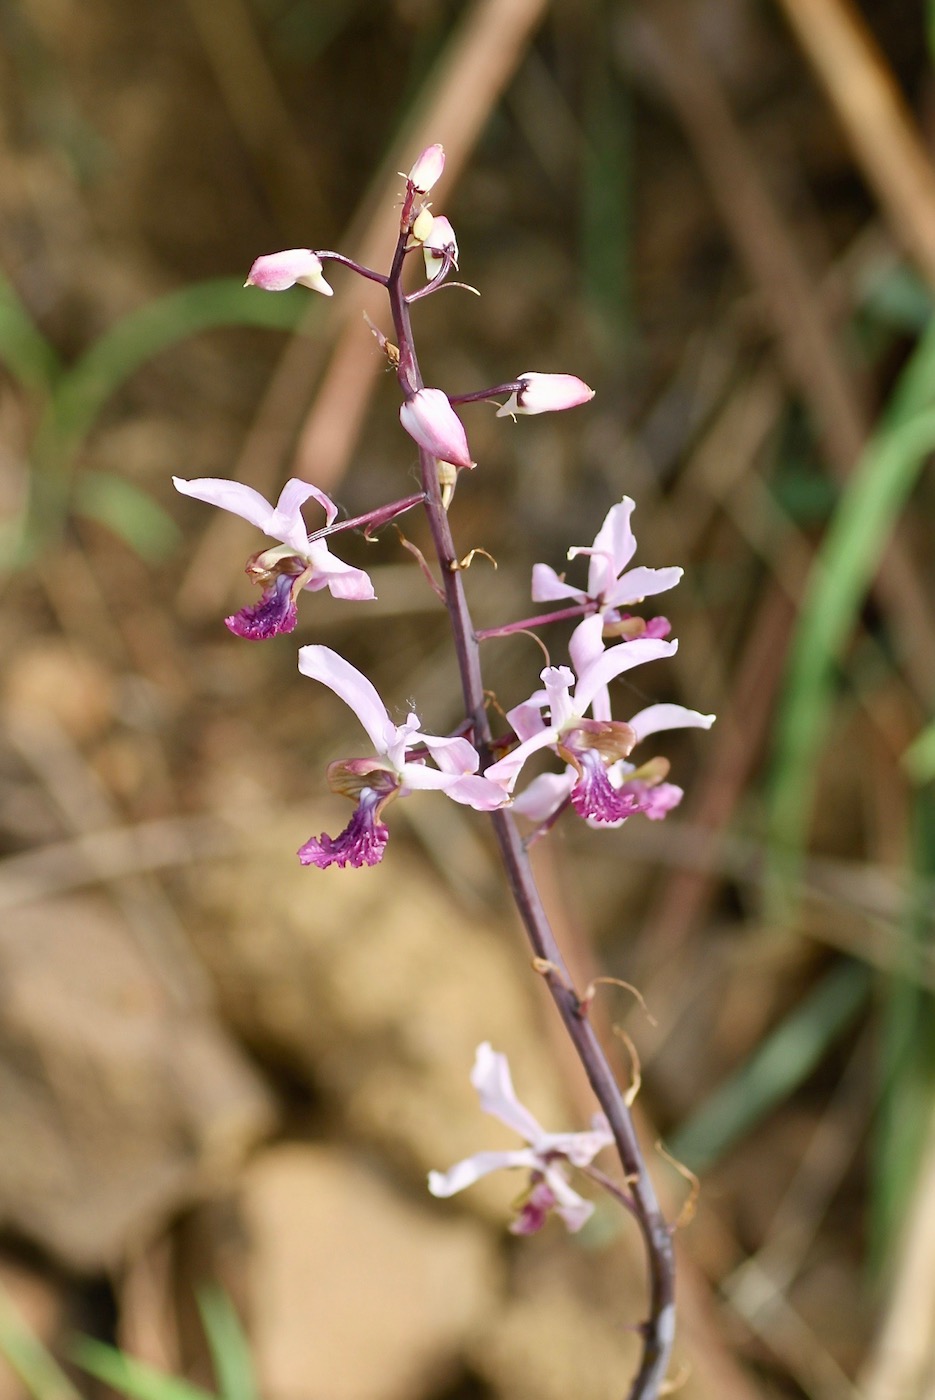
(429, 418)
(546, 1157)
(398, 766)
(277, 272)
(545, 393)
(286, 569)
(427, 169)
(611, 585)
(590, 746)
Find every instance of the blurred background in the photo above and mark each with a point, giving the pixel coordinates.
(220, 1071)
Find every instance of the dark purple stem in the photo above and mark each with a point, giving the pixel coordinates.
(484, 634)
(372, 519)
(479, 395)
(436, 282)
(659, 1329)
(326, 256)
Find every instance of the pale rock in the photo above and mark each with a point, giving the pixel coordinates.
(356, 1292)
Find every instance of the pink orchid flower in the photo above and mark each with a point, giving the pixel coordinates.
(545, 393)
(291, 566)
(611, 585)
(590, 746)
(642, 788)
(546, 1156)
(398, 766)
(429, 418)
(277, 272)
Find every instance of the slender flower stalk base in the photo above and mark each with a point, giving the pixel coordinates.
(658, 1331)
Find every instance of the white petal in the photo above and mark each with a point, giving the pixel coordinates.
(491, 1078)
(471, 1169)
(655, 718)
(322, 664)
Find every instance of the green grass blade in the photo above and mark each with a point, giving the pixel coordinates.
(85, 388)
(919, 758)
(24, 350)
(784, 1060)
(230, 1350)
(843, 571)
(129, 512)
(606, 202)
(117, 355)
(40, 1373)
(907, 1050)
(132, 1378)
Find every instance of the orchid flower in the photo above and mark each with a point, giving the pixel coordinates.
(289, 567)
(545, 1157)
(642, 788)
(590, 746)
(277, 272)
(545, 393)
(611, 585)
(390, 772)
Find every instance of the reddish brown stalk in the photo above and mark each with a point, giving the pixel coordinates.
(659, 1329)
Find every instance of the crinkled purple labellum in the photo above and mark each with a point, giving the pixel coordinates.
(545, 393)
(427, 169)
(362, 842)
(532, 1208)
(429, 418)
(277, 272)
(272, 616)
(595, 798)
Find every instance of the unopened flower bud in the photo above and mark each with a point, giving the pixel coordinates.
(276, 272)
(427, 169)
(545, 393)
(429, 418)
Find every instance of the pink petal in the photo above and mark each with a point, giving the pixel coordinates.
(322, 664)
(342, 580)
(491, 1078)
(441, 240)
(547, 587)
(637, 584)
(615, 660)
(545, 795)
(277, 272)
(655, 718)
(429, 418)
(471, 1169)
(229, 495)
(546, 393)
(427, 169)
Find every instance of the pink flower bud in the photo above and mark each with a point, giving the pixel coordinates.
(439, 240)
(276, 272)
(429, 418)
(545, 393)
(427, 169)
